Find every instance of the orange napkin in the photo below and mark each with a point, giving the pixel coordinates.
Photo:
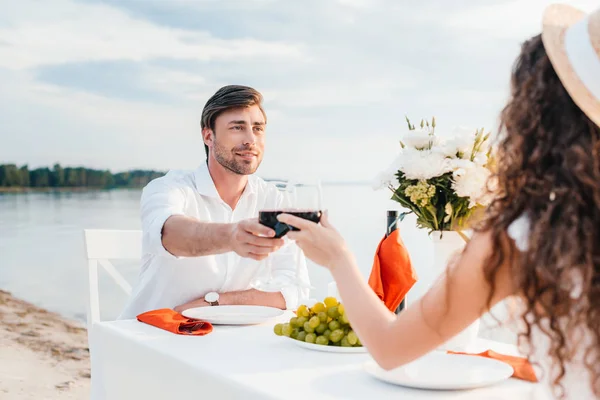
(522, 367)
(392, 274)
(174, 322)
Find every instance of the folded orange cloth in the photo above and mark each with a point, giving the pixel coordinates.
(522, 367)
(392, 274)
(174, 322)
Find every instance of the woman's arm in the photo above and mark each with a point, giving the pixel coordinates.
(457, 299)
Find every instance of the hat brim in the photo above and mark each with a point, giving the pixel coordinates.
(557, 18)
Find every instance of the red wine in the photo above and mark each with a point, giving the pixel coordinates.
(269, 218)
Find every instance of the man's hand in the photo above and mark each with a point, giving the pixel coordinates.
(253, 240)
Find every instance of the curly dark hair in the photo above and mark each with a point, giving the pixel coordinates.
(549, 170)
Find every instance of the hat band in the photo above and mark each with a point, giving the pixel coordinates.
(583, 57)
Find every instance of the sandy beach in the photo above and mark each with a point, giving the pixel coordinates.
(42, 355)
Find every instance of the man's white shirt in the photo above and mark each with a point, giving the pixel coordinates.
(166, 281)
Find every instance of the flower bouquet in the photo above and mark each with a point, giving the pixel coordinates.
(443, 181)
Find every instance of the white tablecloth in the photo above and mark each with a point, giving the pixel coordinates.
(132, 360)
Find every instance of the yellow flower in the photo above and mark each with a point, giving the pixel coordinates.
(421, 193)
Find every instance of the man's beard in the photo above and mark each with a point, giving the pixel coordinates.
(226, 158)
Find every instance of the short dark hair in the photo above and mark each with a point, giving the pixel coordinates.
(226, 98)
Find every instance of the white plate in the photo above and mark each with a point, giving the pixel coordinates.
(234, 315)
(328, 349)
(442, 371)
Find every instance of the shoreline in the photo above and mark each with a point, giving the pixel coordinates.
(44, 355)
(18, 190)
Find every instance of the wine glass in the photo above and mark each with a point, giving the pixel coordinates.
(308, 204)
(301, 199)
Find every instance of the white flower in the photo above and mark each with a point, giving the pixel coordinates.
(383, 180)
(418, 139)
(459, 166)
(423, 164)
(387, 177)
(445, 147)
(448, 210)
(480, 159)
(471, 182)
(461, 141)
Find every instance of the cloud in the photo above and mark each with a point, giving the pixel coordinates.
(70, 32)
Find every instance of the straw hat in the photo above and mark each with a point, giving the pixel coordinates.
(572, 41)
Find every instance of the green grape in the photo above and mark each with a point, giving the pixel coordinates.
(310, 338)
(308, 328)
(333, 312)
(277, 329)
(327, 333)
(352, 338)
(286, 330)
(322, 340)
(341, 309)
(333, 325)
(322, 316)
(294, 333)
(344, 342)
(344, 319)
(321, 328)
(294, 322)
(358, 342)
(314, 322)
(301, 321)
(301, 336)
(336, 335)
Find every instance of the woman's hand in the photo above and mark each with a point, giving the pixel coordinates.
(321, 243)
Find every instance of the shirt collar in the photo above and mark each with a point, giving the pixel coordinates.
(206, 186)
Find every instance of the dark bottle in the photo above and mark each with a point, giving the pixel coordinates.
(392, 225)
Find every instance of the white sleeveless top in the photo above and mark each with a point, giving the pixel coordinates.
(577, 377)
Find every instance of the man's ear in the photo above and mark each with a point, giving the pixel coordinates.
(207, 136)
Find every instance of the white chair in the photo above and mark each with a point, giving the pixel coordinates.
(101, 246)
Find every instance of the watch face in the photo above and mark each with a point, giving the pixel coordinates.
(211, 297)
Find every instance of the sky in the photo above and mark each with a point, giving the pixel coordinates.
(121, 84)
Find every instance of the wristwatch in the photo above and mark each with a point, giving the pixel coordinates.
(212, 298)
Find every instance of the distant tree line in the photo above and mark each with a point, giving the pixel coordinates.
(79, 177)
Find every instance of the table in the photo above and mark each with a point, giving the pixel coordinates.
(131, 360)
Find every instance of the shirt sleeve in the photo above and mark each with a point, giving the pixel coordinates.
(161, 199)
(288, 264)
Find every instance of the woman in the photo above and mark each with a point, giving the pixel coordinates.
(540, 239)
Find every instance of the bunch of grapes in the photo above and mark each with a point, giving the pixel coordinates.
(324, 323)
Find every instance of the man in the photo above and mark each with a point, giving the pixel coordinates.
(202, 243)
